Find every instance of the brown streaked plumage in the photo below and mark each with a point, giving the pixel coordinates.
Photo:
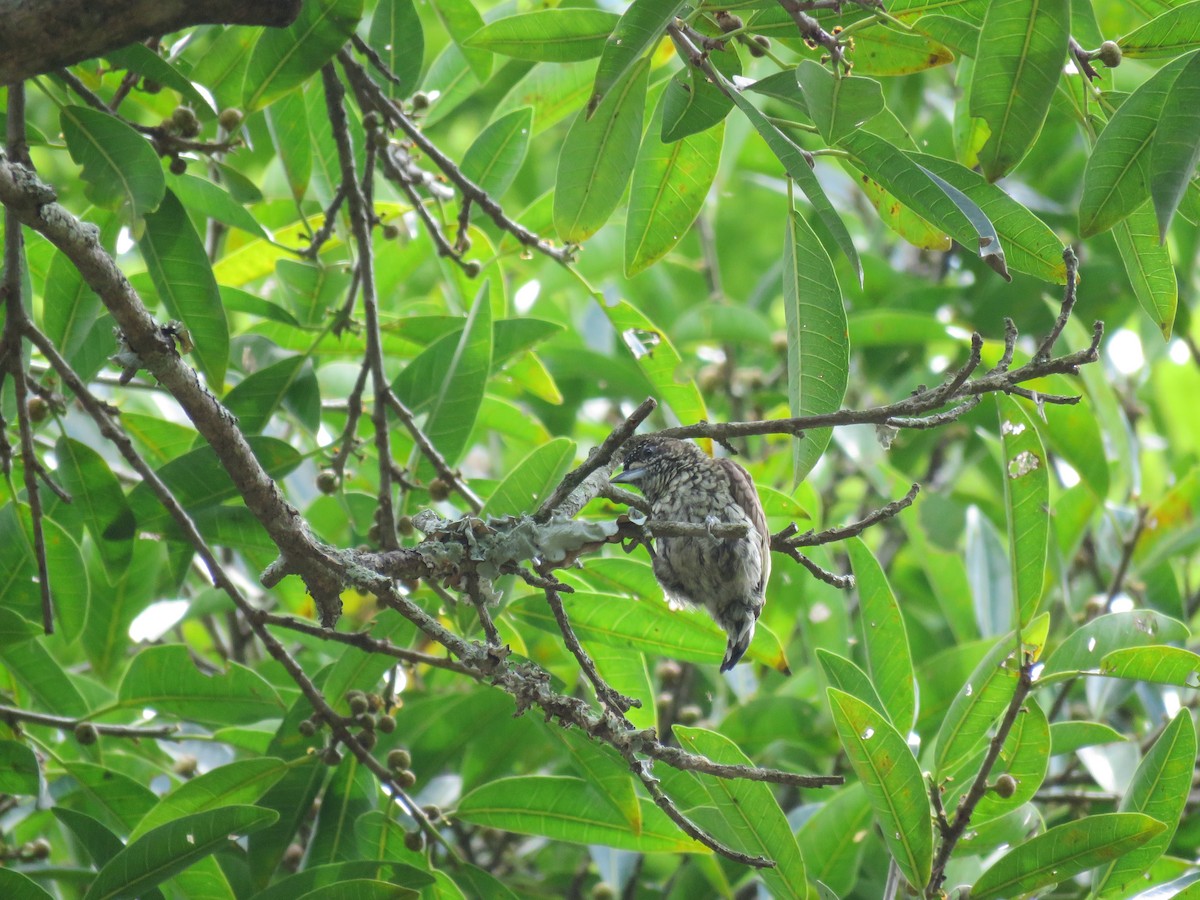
(726, 576)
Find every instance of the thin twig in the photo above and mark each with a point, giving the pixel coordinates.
(11, 714)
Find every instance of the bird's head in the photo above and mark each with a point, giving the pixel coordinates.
(653, 462)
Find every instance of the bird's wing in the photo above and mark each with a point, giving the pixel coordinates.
(741, 487)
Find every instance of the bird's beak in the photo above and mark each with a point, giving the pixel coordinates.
(628, 476)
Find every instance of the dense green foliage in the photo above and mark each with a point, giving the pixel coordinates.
(786, 225)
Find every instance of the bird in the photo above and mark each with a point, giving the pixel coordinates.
(726, 576)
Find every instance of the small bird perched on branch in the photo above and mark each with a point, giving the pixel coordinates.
(727, 576)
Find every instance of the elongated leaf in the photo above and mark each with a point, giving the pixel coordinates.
(884, 637)
(893, 782)
(16, 886)
(164, 678)
(462, 20)
(1067, 737)
(1148, 265)
(1175, 31)
(691, 103)
(1015, 78)
(838, 105)
(818, 343)
(554, 92)
(1176, 148)
(495, 157)
(658, 360)
(18, 769)
(1064, 851)
(983, 698)
(120, 169)
(597, 158)
(1159, 788)
(171, 848)
(799, 168)
(844, 675)
(832, 839)
(549, 35)
(315, 878)
(1027, 502)
(639, 29)
(207, 199)
(20, 589)
(1089, 644)
(1158, 664)
(233, 784)
(531, 480)
(175, 256)
(141, 59)
(955, 214)
(670, 182)
(285, 57)
(1116, 178)
(454, 410)
(97, 496)
(565, 809)
(746, 814)
(647, 625)
(604, 769)
(398, 37)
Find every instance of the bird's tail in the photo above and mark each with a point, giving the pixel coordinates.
(739, 643)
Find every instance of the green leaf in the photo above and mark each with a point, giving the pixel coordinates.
(670, 183)
(259, 395)
(566, 809)
(832, 839)
(284, 58)
(141, 59)
(649, 626)
(1159, 789)
(691, 103)
(844, 675)
(360, 889)
(554, 92)
(16, 886)
(19, 773)
(597, 158)
(461, 20)
(72, 313)
(197, 479)
(20, 591)
(1148, 265)
(659, 361)
(952, 211)
(96, 496)
(14, 629)
(1063, 852)
(105, 794)
(549, 35)
(745, 814)
(121, 170)
(895, 787)
(1174, 31)
(1088, 645)
(1027, 504)
(889, 51)
(287, 121)
(1015, 78)
(1116, 180)
(179, 266)
(495, 158)
(1067, 737)
(454, 409)
(1157, 664)
(350, 794)
(233, 784)
(1176, 148)
(171, 848)
(331, 876)
(204, 198)
(818, 345)
(982, 700)
(397, 36)
(165, 679)
(604, 769)
(638, 30)
(884, 637)
(532, 479)
(799, 167)
(838, 105)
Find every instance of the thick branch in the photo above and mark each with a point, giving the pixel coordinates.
(40, 37)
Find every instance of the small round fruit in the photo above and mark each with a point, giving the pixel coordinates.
(371, 120)
(1110, 54)
(358, 703)
(432, 812)
(366, 739)
(472, 267)
(331, 756)
(386, 724)
(86, 733)
(391, 231)
(328, 481)
(420, 100)
(1005, 786)
(414, 841)
(404, 526)
(399, 759)
(406, 778)
(230, 118)
(307, 728)
(185, 120)
(690, 714)
(39, 410)
(178, 165)
(438, 490)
